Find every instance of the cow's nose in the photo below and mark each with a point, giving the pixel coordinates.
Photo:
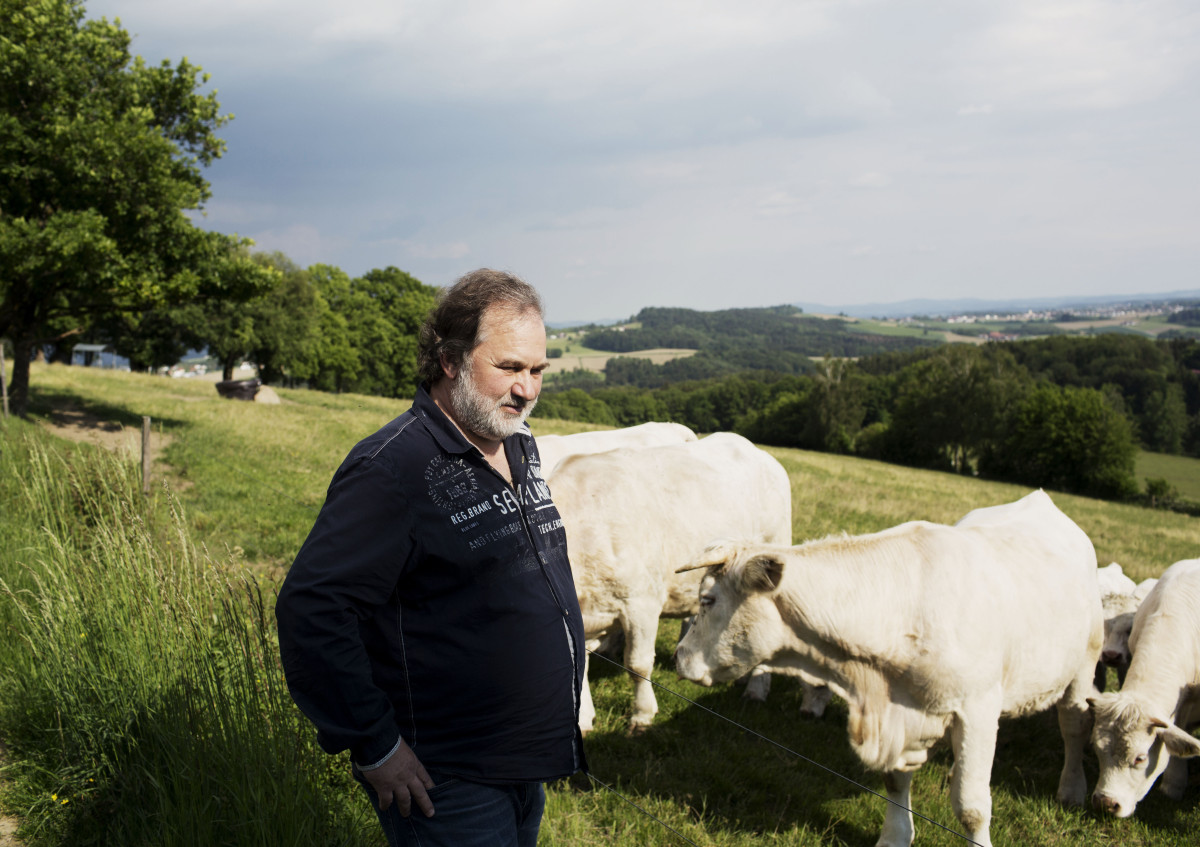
(1110, 657)
(1104, 803)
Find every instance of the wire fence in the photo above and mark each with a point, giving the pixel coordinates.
(716, 715)
(766, 739)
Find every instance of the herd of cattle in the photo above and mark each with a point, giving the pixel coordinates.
(924, 630)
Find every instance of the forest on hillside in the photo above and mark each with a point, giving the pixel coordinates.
(1063, 412)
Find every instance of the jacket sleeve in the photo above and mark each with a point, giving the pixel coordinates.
(347, 568)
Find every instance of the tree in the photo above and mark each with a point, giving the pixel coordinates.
(948, 406)
(1070, 439)
(100, 158)
(404, 301)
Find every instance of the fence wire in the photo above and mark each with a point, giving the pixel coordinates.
(773, 743)
(682, 697)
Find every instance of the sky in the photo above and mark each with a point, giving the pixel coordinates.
(707, 155)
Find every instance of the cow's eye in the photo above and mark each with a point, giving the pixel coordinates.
(706, 600)
(1140, 760)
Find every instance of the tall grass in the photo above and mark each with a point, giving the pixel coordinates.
(143, 703)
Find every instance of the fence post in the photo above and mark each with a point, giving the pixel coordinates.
(145, 454)
(3, 382)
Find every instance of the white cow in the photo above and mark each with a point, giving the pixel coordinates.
(1142, 730)
(554, 448)
(922, 629)
(632, 516)
(1119, 609)
(1112, 580)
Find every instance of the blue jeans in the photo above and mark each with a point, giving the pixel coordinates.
(466, 814)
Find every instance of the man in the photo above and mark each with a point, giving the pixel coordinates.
(429, 624)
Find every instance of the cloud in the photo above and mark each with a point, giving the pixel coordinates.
(625, 154)
(871, 179)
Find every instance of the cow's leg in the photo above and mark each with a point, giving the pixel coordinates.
(758, 686)
(973, 740)
(641, 628)
(816, 698)
(587, 710)
(897, 819)
(1075, 724)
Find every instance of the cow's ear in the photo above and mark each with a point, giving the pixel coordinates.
(763, 573)
(1179, 743)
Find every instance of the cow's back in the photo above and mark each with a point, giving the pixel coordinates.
(1045, 596)
(633, 516)
(1165, 639)
(552, 449)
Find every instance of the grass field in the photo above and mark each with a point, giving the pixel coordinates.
(575, 355)
(246, 481)
(1181, 472)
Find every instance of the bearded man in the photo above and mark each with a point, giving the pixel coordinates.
(429, 624)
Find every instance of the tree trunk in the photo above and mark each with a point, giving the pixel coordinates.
(18, 392)
(227, 371)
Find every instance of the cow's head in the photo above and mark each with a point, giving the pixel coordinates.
(738, 626)
(1119, 610)
(1133, 748)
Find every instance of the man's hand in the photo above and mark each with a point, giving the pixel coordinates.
(402, 778)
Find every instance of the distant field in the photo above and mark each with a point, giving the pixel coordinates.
(1182, 472)
(594, 360)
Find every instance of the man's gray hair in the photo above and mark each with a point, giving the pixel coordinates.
(452, 328)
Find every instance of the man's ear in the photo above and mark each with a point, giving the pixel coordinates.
(449, 368)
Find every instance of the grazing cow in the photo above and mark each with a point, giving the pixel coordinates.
(1112, 580)
(1118, 621)
(1143, 730)
(554, 448)
(632, 516)
(1119, 609)
(922, 629)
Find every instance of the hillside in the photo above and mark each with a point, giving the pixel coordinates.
(249, 479)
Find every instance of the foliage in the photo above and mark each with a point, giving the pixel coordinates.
(781, 338)
(947, 409)
(574, 404)
(100, 158)
(1187, 317)
(1158, 381)
(1068, 439)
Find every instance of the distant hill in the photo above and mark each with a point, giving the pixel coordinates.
(971, 305)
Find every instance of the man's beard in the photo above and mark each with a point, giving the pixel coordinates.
(482, 415)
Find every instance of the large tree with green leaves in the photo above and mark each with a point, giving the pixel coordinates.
(100, 160)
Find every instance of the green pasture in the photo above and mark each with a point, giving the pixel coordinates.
(1181, 472)
(140, 694)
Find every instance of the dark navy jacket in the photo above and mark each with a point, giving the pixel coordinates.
(433, 601)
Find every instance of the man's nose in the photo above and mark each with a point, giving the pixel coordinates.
(525, 387)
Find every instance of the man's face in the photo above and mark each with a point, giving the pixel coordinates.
(498, 383)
